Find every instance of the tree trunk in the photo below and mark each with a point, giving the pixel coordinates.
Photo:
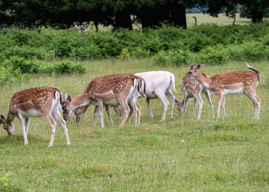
(256, 16)
(178, 14)
(123, 20)
(153, 17)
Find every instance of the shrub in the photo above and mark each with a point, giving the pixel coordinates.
(63, 67)
(172, 57)
(25, 66)
(214, 55)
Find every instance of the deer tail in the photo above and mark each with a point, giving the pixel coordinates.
(253, 69)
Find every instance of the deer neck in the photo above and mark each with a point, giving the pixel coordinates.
(80, 101)
(204, 79)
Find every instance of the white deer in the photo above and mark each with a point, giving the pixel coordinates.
(192, 88)
(229, 83)
(114, 90)
(34, 102)
(159, 84)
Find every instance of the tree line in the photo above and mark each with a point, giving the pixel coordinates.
(119, 13)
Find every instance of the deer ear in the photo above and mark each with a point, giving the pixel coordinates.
(192, 65)
(2, 119)
(200, 66)
(67, 98)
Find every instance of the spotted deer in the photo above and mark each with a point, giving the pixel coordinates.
(34, 102)
(229, 83)
(192, 88)
(114, 90)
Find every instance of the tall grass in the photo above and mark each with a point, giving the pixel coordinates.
(225, 154)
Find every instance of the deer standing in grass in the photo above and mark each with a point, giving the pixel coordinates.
(34, 102)
(114, 90)
(229, 83)
(192, 88)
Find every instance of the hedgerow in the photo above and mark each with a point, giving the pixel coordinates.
(208, 43)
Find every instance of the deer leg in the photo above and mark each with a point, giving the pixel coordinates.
(194, 107)
(138, 112)
(186, 102)
(172, 97)
(27, 123)
(101, 113)
(58, 117)
(207, 94)
(256, 102)
(165, 103)
(129, 116)
(53, 124)
(220, 96)
(223, 105)
(95, 115)
(108, 113)
(126, 109)
(133, 110)
(23, 129)
(149, 106)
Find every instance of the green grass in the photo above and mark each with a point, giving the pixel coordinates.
(226, 154)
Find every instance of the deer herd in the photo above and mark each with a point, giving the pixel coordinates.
(121, 91)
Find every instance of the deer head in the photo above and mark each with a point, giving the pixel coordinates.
(8, 126)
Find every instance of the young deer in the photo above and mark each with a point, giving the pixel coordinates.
(34, 102)
(117, 89)
(192, 88)
(229, 83)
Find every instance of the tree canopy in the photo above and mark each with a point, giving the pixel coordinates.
(118, 13)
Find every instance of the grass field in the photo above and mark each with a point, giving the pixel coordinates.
(226, 154)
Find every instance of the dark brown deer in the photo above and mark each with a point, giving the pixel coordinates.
(34, 102)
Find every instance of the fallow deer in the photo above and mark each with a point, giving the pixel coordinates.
(159, 84)
(192, 88)
(114, 90)
(34, 102)
(229, 83)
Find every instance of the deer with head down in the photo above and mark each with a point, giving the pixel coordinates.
(229, 83)
(113, 90)
(34, 102)
(192, 88)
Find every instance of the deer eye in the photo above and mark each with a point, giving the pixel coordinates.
(190, 72)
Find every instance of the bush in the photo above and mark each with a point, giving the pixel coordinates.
(172, 57)
(17, 69)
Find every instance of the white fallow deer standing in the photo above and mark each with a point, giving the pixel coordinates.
(229, 83)
(34, 102)
(159, 84)
(192, 88)
(113, 90)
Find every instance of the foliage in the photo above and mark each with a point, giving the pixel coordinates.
(32, 45)
(173, 57)
(17, 69)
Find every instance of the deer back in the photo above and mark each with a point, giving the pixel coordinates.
(111, 86)
(34, 98)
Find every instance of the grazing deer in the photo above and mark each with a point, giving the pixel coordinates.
(114, 90)
(34, 102)
(159, 84)
(229, 83)
(192, 88)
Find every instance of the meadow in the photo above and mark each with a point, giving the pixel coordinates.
(226, 154)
